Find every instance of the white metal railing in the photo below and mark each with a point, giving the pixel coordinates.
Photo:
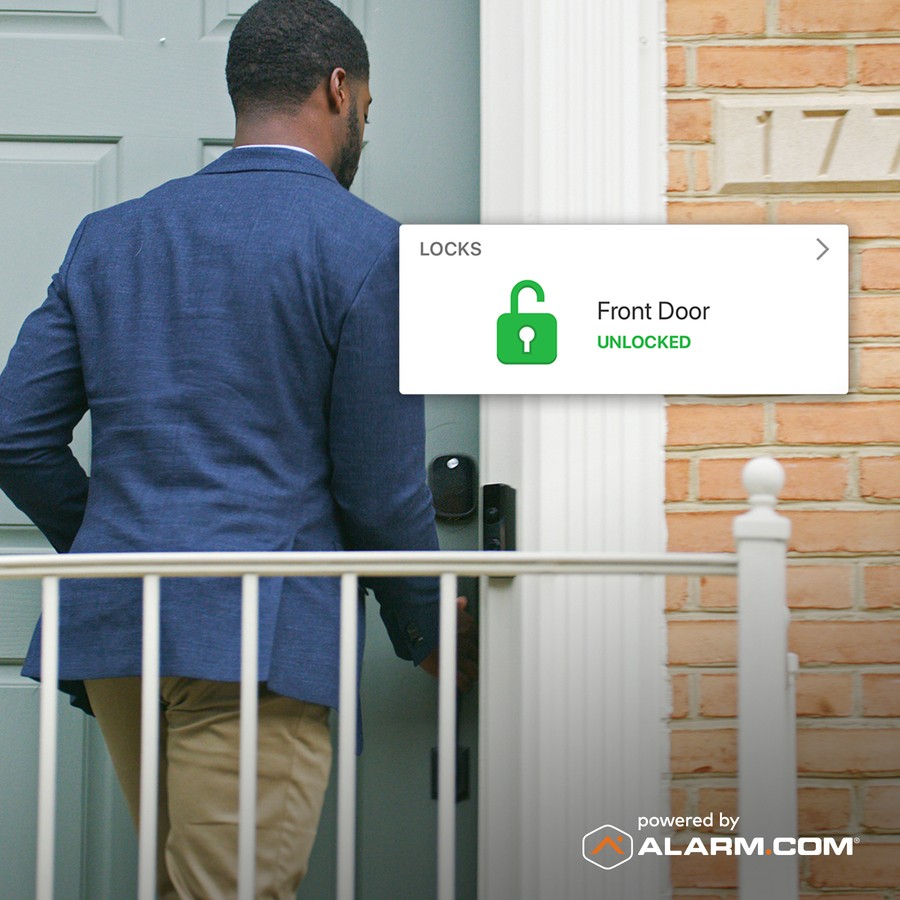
(767, 780)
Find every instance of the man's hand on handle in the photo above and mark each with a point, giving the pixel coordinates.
(466, 650)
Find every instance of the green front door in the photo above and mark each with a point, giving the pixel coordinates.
(102, 100)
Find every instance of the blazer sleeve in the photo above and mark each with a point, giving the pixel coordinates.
(377, 446)
(42, 399)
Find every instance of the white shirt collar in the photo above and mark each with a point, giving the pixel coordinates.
(282, 146)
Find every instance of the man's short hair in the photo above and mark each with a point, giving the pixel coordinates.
(281, 50)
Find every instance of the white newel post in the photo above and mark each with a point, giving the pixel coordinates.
(767, 743)
(573, 681)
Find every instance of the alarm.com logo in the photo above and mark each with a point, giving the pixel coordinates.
(607, 846)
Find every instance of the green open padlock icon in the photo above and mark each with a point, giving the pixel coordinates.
(526, 338)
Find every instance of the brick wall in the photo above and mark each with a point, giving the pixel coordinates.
(842, 457)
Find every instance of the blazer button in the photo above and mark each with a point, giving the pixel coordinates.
(412, 632)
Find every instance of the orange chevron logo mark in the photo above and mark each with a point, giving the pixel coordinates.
(609, 842)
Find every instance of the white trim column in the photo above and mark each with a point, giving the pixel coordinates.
(573, 731)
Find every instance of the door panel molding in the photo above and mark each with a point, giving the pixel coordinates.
(50, 182)
(100, 153)
(220, 16)
(46, 17)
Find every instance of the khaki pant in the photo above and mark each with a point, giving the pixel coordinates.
(198, 781)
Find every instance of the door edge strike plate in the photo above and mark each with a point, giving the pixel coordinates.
(498, 519)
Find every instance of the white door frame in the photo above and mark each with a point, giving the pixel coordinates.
(573, 730)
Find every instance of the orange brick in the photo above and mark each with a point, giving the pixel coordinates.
(678, 802)
(715, 212)
(707, 642)
(700, 424)
(881, 808)
(837, 423)
(708, 750)
(806, 479)
(878, 64)
(820, 587)
(841, 531)
(689, 120)
(696, 871)
(678, 171)
(836, 16)
(846, 642)
(829, 694)
(676, 66)
(722, 17)
(871, 866)
(882, 587)
(680, 697)
(817, 695)
(881, 694)
(696, 531)
(842, 896)
(879, 367)
(701, 170)
(875, 316)
(881, 269)
(823, 809)
(813, 531)
(718, 800)
(867, 751)
(676, 591)
(879, 477)
(771, 67)
(718, 592)
(718, 695)
(865, 218)
(677, 479)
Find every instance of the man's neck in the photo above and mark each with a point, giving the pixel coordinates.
(285, 131)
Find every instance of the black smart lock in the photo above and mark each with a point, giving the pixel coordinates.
(453, 479)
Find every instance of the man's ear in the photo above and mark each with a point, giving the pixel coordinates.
(338, 90)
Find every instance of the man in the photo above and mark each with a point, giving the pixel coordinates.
(234, 335)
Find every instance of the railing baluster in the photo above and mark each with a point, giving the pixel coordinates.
(47, 749)
(447, 743)
(249, 711)
(149, 740)
(346, 820)
(350, 566)
(767, 749)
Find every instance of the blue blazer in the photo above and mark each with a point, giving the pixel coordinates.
(234, 335)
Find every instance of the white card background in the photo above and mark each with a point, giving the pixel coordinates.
(777, 320)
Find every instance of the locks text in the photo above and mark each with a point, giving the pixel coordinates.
(451, 248)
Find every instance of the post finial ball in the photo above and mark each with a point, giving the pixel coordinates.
(763, 475)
